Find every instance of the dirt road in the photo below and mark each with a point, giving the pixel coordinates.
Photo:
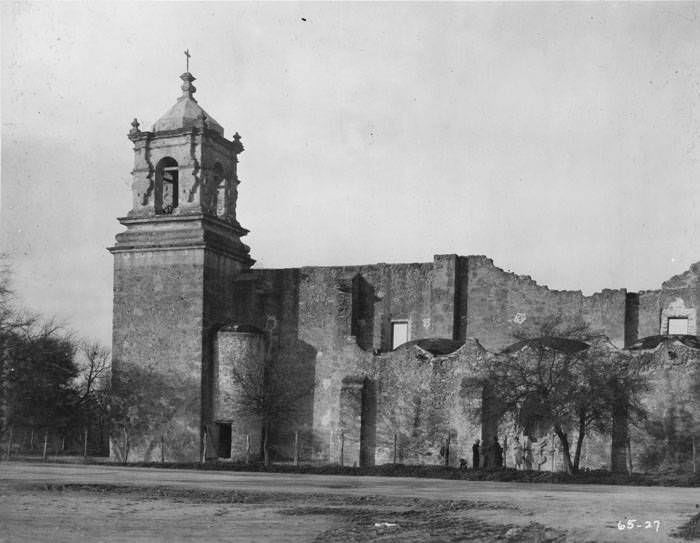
(128, 504)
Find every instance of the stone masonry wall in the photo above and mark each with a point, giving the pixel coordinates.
(663, 439)
(398, 292)
(268, 300)
(244, 353)
(158, 326)
(317, 318)
(218, 308)
(334, 324)
(678, 297)
(501, 304)
(452, 297)
(440, 400)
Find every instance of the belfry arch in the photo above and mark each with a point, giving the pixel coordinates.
(220, 191)
(166, 186)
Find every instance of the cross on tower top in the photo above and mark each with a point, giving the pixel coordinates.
(187, 54)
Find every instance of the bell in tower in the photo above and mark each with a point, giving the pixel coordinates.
(174, 271)
(185, 165)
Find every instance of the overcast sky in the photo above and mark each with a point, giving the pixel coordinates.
(561, 140)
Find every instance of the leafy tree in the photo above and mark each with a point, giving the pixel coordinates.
(565, 383)
(13, 327)
(43, 384)
(38, 380)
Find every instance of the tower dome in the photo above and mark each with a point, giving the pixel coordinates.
(186, 113)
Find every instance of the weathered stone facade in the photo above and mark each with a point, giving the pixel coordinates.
(175, 264)
(188, 304)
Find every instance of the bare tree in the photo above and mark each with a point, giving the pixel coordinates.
(270, 391)
(94, 363)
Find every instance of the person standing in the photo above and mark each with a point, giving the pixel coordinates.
(475, 454)
(528, 453)
(497, 453)
(518, 450)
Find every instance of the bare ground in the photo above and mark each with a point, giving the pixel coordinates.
(110, 504)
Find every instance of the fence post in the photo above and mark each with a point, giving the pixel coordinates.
(296, 448)
(162, 449)
(46, 443)
(394, 447)
(447, 451)
(629, 453)
(204, 448)
(342, 448)
(126, 444)
(85, 442)
(695, 466)
(31, 440)
(247, 448)
(9, 442)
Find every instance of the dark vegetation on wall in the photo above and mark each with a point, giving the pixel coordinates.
(147, 410)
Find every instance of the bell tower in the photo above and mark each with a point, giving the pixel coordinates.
(174, 268)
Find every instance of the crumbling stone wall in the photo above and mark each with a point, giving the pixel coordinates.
(678, 297)
(501, 304)
(427, 404)
(332, 303)
(664, 438)
(342, 315)
(328, 322)
(333, 324)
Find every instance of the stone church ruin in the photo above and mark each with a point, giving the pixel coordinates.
(390, 355)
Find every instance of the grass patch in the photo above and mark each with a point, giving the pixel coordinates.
(195, 495)
(679, 479)
(441, 472)
(690, 531)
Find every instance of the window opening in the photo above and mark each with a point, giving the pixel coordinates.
(677, 326)
(399, 333)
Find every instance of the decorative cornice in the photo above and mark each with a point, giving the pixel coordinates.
(191, 217)
(243, 258)
(234, 146)
(182, 232)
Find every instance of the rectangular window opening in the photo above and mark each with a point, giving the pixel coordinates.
(677, 326)
(399, 333)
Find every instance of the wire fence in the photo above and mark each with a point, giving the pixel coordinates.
(30, 441)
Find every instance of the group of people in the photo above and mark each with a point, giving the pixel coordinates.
(523, 454)
(484, 456)
(492, 456)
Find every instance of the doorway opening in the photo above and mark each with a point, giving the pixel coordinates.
(223, 449)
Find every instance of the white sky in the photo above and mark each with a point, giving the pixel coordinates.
(561, 140)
